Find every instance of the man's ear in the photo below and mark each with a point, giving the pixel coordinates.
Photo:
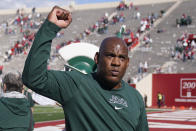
(4, 87)
(96, 58)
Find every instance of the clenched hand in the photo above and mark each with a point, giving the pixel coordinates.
(60, 17)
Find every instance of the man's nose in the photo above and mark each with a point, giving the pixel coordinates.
(116, 61)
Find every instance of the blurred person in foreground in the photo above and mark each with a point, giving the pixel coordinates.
(28, 93)
(99, 101)
(15, 112)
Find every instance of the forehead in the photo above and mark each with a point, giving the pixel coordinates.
(114, 45)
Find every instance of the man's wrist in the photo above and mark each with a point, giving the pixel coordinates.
(51, 26)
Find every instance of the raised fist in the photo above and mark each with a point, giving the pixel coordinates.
(60, 17)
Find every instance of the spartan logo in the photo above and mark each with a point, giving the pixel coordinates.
(117, 100)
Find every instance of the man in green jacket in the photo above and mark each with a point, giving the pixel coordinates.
(15, 112)
(100, 101)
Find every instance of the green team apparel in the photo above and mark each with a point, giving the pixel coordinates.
(31, 104)
(14, 114)
(87, 106)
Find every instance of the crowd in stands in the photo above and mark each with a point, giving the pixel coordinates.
(20, 46)
(185, 47)
(122, 6)
(33, 21)
(146, 23)
(26, 24)
(101, 26)
(184, 20)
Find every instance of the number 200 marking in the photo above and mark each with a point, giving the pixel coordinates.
(189, 85)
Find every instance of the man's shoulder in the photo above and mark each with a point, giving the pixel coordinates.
(76, 73)
(78, 76)
(133, 91)
(128, 86)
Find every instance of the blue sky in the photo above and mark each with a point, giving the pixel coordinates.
(14, 4)
(93, 1)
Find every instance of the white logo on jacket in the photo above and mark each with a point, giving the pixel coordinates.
(119, 101)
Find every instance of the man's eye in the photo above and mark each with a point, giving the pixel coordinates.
(122, 59)
(110, 55)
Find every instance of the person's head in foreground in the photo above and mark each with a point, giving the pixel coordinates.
(12, 82)
(112, 61)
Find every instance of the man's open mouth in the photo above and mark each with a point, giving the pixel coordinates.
(115, 72)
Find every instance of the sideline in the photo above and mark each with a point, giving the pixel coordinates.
(49, 123)
(178, 120)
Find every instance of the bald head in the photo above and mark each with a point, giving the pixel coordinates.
(113, 41)
(112, 61)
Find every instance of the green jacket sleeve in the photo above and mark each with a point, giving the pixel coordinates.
(52, 84)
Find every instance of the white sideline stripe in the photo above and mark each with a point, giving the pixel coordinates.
(177, 117)
(51, 128)
(188, 117)
(61, 125)
(172, 126)
(172, 119)
(48, 128)
(184, 115)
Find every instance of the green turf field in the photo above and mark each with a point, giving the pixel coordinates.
(48, 113)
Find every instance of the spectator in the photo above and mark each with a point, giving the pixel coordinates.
(147, 40)
(130, 5)
(159, 99)
(145, 100)
(140, 69)
(193, 44)
(145, 66)
(14, 108)
(1, 69)
(122, 29)
(33, 10)
(138, 15)
(5, 56)
(159, 30)
(99, 101)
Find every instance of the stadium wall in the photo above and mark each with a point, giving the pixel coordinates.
(178, 89)
(144, 86)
